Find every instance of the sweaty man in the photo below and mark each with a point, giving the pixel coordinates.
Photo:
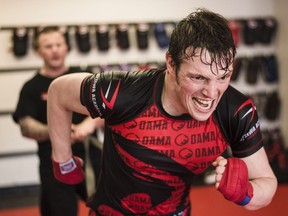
(164, 126)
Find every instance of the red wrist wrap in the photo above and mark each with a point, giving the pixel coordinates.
(235, 185)
(69, 172)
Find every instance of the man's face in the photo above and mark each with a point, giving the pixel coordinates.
(198, 89)
(52, 49)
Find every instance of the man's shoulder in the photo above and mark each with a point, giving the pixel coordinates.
(232, 105)
(75, 69)
(232, 98)
(36, 81)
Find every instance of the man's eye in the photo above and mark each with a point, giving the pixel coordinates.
(226, 76)
(197, 78)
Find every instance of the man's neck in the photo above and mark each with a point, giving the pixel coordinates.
(53, 72)
(169, 98)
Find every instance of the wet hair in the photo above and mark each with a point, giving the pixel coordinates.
(205, 31)
(44, 30)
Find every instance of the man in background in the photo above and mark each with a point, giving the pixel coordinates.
(31, 115)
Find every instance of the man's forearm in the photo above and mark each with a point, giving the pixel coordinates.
(262, 178)
(59, 124)
(263, 190)
(33, 129)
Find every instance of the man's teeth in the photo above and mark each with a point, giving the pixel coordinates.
(203, 104)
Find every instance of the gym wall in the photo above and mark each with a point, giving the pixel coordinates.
(18, 159)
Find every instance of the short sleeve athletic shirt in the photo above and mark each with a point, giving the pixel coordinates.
(151, 156)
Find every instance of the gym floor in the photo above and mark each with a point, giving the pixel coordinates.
(205, 200)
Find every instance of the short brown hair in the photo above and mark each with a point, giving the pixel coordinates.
(44, 30)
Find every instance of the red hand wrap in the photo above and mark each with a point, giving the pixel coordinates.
(69, 172)
(235, 185)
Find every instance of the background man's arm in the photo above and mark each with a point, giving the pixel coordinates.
(33, 129)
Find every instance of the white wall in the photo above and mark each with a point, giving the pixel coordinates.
(31, 12)
(67, 12)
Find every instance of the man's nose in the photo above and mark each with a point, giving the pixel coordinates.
(55, 48)
(210, 89)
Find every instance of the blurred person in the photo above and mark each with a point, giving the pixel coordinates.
(31, 115)
(165, 126)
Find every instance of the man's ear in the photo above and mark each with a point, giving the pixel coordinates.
(170, 64)
(38, 52)
(168, 61)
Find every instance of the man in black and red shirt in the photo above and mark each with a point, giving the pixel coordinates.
(164, 126)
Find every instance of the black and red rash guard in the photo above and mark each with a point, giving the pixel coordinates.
(150, 157)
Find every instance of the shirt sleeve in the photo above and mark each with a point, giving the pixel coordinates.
(117, 95)
(239, 122)
(26, 105)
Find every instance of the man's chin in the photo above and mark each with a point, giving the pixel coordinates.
(56, 66)
(201, 116)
